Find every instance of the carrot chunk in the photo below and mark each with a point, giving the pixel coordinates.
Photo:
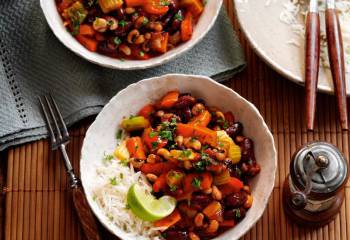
(168, 221)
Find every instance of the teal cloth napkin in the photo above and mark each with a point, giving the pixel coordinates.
(33, 62)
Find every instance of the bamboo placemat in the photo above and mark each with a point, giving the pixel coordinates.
(37, 205)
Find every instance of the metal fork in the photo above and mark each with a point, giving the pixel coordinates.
(59, 139)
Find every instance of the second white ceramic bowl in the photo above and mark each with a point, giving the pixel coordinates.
(100, 137)
(205, 23)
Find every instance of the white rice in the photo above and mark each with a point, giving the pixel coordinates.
(112, 199)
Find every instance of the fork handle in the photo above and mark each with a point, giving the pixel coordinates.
(312, 60)
(85, 215)
(336, 58)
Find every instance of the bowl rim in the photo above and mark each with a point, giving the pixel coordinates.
(276, 66)
(113, 63)
(225, 88)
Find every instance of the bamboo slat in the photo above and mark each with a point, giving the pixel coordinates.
(38, 204)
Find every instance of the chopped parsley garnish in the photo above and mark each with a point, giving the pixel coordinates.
(145, 21)
(238, 213)
(205, 147)
(119, 134)
(121, 175)
(178, 16)
(152, 134)
(173, 188)
(166, 134)
(108, 158)
(225, 125)
(196, 183)
(164, 3)
(186, 153)
(122, 23)
(154, 145)
(142, 54)
(124, 162)
(200, 166)
(113, 181)
(117, 41)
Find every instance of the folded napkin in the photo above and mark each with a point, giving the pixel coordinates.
(33, 62)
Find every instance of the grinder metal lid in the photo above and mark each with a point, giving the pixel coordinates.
(329, 178)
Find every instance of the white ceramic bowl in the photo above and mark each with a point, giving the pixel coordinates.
(206, 21)
(100, 137)
(271, 39)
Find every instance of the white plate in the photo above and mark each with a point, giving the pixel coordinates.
(205, 23)
(269, 37)
(100, 137)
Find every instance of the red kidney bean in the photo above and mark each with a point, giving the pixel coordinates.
(235, 129)
(184, 102)
(185, 115)
(175, 235)
(122, 31)
(235, 200)
(200, 201)
(247, 149)
(105, 48)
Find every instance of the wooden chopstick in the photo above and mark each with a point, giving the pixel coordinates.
(312, 59)
(336, 58)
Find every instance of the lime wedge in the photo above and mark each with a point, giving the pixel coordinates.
(144, 205)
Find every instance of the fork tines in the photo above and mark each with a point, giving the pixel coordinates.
(54, 120)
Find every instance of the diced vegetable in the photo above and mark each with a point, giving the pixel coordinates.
(233, 186)
(152, 140)
(187, 27)
(174, 178)
(184, 155)
(160, 184)
(122, 152)
(203, 119)
(135, 148)
(213, 209)
(64, 5)
(227, 223)
(159, 42)
(196, 181)
(110, 5)
(156, 7)
(169, 99)
(86, 30)
(134, 3)
(147, 110)
(77, 14)
(223, 178)
(203, 134)
(234, 153)
(157, 168)
(168, 221)
(135, 123)
(194, 6)
(89, 43)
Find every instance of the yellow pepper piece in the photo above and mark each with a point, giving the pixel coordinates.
(121, 152)
(183, 155)
(234, 151)
(135, 123)
(110, 5)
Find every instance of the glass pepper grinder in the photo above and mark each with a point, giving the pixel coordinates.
(314, 190)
